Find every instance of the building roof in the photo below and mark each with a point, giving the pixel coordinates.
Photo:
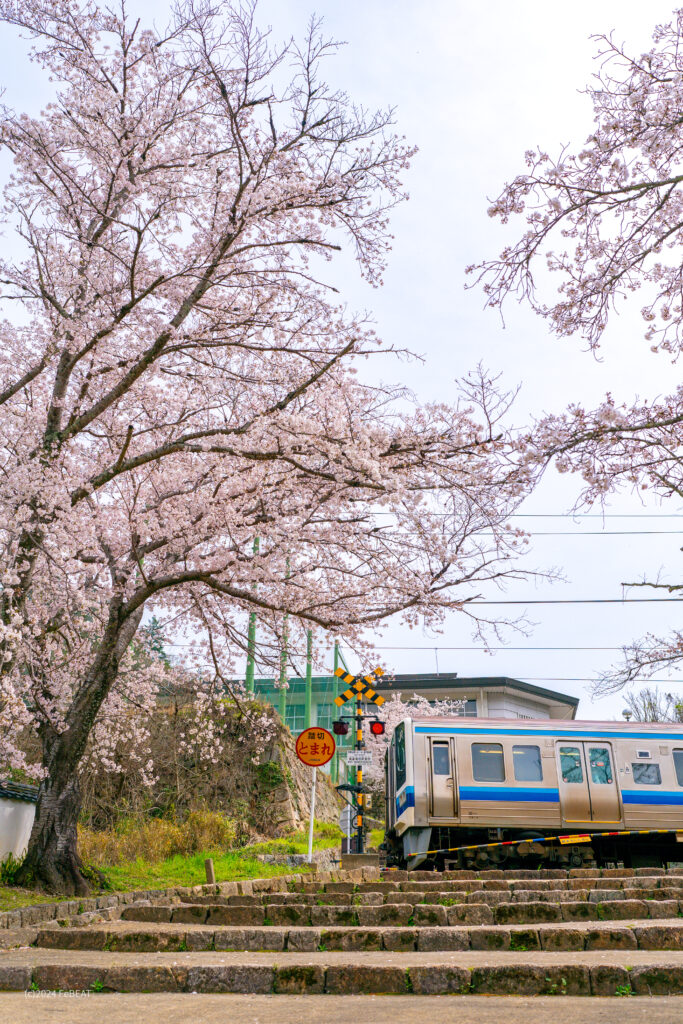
(452, 681)
(18, 791)
(430, 681)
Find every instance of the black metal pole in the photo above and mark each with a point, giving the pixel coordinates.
(359, 776)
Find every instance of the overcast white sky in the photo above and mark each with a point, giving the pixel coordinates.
(475, 85)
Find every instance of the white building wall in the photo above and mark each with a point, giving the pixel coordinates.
(506, 705)
(16, 822)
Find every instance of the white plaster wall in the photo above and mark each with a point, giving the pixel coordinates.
(504, 705)
(16, 822)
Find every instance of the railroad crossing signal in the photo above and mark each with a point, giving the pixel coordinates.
(360, 686)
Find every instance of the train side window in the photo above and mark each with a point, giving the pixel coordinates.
(441, 764)
(487, 762)
(678, 765)
(400, 738)
(570, 763)
(527, 764)
(601, 765)
(647, 774)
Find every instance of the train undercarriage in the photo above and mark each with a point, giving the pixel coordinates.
(442, 847)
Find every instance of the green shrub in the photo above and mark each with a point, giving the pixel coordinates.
(8, 869)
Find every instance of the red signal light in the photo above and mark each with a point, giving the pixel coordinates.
(340, 728)
(377, 728)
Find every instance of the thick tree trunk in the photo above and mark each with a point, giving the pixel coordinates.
(52, 861)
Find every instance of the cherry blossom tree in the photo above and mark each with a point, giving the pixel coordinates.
(604, 223)
(178, 378)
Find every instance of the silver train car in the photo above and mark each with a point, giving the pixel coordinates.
(516, 792)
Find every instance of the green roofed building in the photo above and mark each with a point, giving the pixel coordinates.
(323, 709)
(482, 696)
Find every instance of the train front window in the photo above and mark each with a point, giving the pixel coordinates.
(400, 748)
(678, 765)
(570, 763)
(527, 763)
(440, 759)
(487, 762)
(646, 774)
(601, 765)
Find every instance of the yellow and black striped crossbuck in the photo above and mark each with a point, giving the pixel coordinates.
(359, 685)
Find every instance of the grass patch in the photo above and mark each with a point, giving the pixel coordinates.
(229, 866)
(188, 869)
(13, 898)
(376, 838)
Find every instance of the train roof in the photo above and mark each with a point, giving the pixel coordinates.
(549, 725)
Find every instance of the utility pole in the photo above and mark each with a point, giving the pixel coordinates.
(309, 679)
(335, 762)
(251, 637)
(284, 650)
(283, 673)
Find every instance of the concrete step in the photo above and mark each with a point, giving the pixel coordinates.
(141, 938)
(527, 911)
(361, 893)
(458, 896)
(504, 882)
(591, 973)
(636, 888)
(427, 876)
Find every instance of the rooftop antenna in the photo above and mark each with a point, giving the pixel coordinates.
(628, 715)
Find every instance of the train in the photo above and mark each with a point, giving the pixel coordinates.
(488, 793)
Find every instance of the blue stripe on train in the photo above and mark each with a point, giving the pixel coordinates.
(561, 734)
(522, 793)
(405, 800)
(639, 796)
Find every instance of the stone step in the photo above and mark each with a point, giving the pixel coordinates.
(637, 888)
(338, 890)
(474, 911)
(427, 876)
(446, 898)
(598, 973)
(122, 937)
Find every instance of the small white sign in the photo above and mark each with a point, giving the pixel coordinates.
(345, 819)
(359, 758)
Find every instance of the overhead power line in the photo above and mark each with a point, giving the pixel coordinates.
(595, 515)
(591, 679)
(599, 533)
(561, 515)
(428, 647)
(586, 600)
(605, 533)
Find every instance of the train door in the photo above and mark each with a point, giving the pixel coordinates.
(391, 786)
(588, 789)
(443, 789)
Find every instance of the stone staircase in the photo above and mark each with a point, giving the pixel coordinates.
(580, 932)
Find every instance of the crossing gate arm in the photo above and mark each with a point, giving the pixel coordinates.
(581, 837)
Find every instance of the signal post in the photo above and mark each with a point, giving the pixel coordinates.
(360, 689)
(359, 745)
